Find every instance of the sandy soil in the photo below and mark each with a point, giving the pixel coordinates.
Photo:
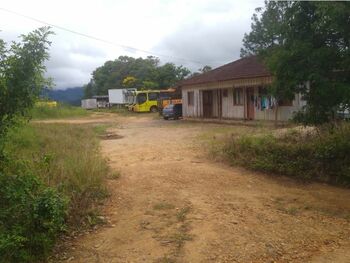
(173, 204)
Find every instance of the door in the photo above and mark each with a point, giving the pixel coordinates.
(250, 103)
(141, 101)
(207, 103)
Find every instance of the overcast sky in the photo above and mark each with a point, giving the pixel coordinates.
(190, 33)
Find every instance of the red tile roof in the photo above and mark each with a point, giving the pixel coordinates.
(248, 67)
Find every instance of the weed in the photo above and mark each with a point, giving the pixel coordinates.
(163, 206)
(114, 175)
(179, 238)
(181, 214)
(165, 259)
(292, 210)
(65, 157)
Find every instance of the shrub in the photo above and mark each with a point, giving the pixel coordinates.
(65, 157)
(322, 155)
(31, 216)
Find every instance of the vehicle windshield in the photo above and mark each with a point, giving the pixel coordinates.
(141, 98)
(170, 106)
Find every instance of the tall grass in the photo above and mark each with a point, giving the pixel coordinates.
(61, 111)
(322, 154)
(65, 157)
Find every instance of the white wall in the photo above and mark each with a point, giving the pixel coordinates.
(229, 110)
(191, 110)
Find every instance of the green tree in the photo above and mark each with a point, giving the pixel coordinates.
(148, 74)
(21, 76)
(149, 84)
(305, 45)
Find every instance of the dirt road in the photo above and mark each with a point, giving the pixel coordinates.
(173, 204)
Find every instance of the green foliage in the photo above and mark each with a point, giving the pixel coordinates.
(147, 73)
(45, 165)
(21, 75)
(63, 159)
(306, 47)
(59, 112)
(31, 216)
(322, 155)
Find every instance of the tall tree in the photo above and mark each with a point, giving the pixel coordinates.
(305, 45)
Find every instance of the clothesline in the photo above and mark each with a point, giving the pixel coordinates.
(264, 102)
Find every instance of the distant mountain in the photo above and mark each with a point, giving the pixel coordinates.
(70, 96)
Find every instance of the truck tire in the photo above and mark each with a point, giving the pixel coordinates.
(153, 109)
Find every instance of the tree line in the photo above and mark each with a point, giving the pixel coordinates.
(139, 73)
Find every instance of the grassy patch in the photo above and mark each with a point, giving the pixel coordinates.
(323, 154)
(113, 175)
(65, 157)
(119, 111)
(163, 206)
(59, 112)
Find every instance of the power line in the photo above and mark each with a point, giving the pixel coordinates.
(125, 47)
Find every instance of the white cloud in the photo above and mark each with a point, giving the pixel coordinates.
(203, 30)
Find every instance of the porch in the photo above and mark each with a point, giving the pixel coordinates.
(237, 103)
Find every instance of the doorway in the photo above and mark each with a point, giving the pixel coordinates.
(250, 103)
(207, 103)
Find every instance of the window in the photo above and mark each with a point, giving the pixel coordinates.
(152, 96)
(190, 98)
(225, 93)
(285, 102)
(237, 96)
(141, 98)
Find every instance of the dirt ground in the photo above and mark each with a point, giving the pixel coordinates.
(172, 203)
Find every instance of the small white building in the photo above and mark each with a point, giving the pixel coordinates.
(237, 90)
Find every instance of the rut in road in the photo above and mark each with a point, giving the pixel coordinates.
(173, 204)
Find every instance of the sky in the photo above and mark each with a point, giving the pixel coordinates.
(190, 33)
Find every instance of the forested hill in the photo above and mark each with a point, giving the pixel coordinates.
(129, 72)
(71, 96)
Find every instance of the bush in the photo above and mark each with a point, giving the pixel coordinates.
(59, 180)
(322, 154)
(31, 216)
(65, 157)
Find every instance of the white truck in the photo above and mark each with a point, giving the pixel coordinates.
(120, 96)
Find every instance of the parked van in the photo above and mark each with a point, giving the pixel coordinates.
(169, 96)
(172, 111)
